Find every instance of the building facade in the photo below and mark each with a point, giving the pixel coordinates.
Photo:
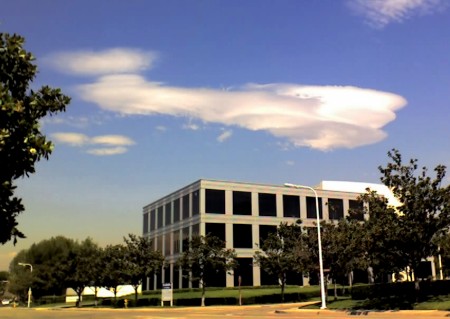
(241, 214)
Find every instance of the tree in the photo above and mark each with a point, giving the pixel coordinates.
(205, 257)
(4, 280)
(424, 213)
(22, 144)
(383, 240)
(114, 263)
(51, 260)
(141, 261)
(283, 252)
(83, 267)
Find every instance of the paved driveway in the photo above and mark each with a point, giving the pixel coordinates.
(232, 312)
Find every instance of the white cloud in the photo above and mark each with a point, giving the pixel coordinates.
(290, 163)
(320, 117)
(107, 151)
(73, 139)
(379, 13)
(119, 60)
(116, 143)
(161, 128)
(224, 136)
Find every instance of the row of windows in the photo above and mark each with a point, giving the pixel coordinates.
(242, 205)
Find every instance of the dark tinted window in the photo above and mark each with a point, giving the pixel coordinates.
(152, 220)
(160, 217)
(356, 209)
(242, 203)
(186, 206)
(215, 229)
(311, 207)
(291, 206)
(145, 224)
(335, 208)
(185, 239)
(195, 203)
(168, 214)
(176, 210)
(244, 270)
(242, 236)
(264, 231)
(267, 204)
(195, 230)
(215, 201)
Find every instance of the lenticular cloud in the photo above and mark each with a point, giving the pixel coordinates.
(321, 117)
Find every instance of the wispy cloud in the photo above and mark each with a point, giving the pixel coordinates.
(118, 60)
(224, 136)
(115, 144)
(379, 13)
(320, 117)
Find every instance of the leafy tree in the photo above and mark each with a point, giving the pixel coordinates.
(141, 260)
(22, 143)
(205, 257)
(424, 213)
(83, 267)
(4, 280)
(383, 240)
(283, 252)
(52, 262)
(114, 262)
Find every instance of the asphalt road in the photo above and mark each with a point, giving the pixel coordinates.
(232, 312)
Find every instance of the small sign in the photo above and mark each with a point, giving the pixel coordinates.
(166, 294)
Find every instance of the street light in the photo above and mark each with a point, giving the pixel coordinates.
(319, 242)
(29, 289)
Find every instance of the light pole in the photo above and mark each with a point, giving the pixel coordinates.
(319, 242)
(29, 289)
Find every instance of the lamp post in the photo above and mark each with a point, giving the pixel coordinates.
(29, 289)
(319, 242)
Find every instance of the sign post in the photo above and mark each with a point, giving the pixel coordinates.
(167, 294)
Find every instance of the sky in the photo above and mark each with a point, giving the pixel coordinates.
(166, 92)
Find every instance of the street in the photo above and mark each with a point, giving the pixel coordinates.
(232, 312)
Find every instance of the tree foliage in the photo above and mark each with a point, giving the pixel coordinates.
(205, 257)
(22, 143)
(283, 252)
(141, 260)
(424, 212)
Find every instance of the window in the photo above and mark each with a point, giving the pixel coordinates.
(176, 210)
(167, 244)
(214, 201)
(159, 243)
(356, 209)
(195, 203)
(195, 230)
(152, 220)
(145, 223)
(185, 242)
(186, 206)
(311, 207)
(176, 242)
(291, 206)
(267, 204)
(215, 229)
(160, 217)
(168, 214)
(242, 203)
(335, 208)
(244, 270)
(264, 231)
(242, 236)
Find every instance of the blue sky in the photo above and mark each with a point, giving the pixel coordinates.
(167, 92)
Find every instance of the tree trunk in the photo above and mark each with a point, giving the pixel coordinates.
(95, 296)
(203, 292)
(79, 291)
(136, 287)
(335, 290)
(283, 284)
